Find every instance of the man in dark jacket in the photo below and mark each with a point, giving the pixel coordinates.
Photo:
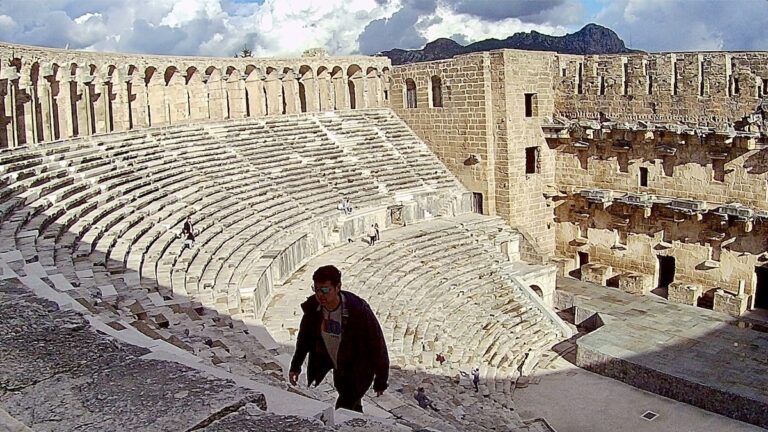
(339, 331)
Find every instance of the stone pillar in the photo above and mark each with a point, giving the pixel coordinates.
(29, 121)
(46, 109)
(341, 92)
(635, 283)
(684, 293)
(732, 304)
(6, 119)
(596, 273)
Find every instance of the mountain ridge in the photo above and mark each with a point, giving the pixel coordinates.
(590, 39)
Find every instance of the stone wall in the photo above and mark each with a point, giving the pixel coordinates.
(49, 94)
(705, 88)
(707, 251)
(460, 128)
(727, 403)
(481, 131)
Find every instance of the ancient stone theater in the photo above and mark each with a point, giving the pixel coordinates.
(533, 207)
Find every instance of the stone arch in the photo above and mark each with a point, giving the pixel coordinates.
(236, 100)
(155, 89)
(254, 92)
(273, 89)
(196, 94)
(324, 89)
(307, 89)
(436, 91)
(176, 95)
(290, 91)
(216, 97)
(372, 88)
(410, 99)
(340, 90)
(356, 86)
(537, 289)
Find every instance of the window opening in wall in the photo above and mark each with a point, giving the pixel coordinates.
(583, 259)
(531, 160)
(622, 237)
(285, 101)
(602, 85)
(530, 104)
(537, 290)
(761, 287)
(674, 77)
(352, 96)
(583, 231)
(701, 77)
(563, 71)
(477, 202)
(410, 93)
(666, 271)
(715, 251)
(386, 94)
(579, 80)
(643, 177)
(650, 84)
(437, 92)
(765, 87)
(625, 81)
(735, 86)
(718, 170)
(302, 97)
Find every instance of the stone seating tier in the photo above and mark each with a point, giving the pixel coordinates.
(98, 219)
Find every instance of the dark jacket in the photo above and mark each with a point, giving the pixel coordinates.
(362, 352)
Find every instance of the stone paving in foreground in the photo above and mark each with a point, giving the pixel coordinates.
(705, 358)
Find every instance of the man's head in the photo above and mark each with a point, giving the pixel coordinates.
(327, 285)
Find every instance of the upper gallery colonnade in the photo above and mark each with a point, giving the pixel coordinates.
(50, 94)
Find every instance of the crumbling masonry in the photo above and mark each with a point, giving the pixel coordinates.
(639, 171)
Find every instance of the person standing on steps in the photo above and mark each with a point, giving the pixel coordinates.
(339, 331)
(476, 378)
(371, 233)
(376, 228)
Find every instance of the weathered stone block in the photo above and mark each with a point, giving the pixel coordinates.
(596, 273)
(635, 283)
(733, 304)
(685, 293)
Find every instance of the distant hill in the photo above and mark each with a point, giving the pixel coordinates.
(591, 39)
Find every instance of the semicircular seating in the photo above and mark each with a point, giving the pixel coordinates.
(99, 219)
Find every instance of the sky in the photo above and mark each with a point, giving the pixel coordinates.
(272, 28)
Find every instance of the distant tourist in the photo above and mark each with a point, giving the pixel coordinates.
(476, 378)
(440, 358)
(188, 232)
(376, 227)
(423, 400)
(372, 234)
(339, 331)
(345, 206)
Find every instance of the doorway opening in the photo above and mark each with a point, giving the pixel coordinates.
(666, 271)
(477, 202)
(761, 288)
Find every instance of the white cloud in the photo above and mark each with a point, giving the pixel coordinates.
(288, 27)
(688, 25)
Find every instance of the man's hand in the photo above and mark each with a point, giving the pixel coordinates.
(293, 377)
